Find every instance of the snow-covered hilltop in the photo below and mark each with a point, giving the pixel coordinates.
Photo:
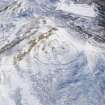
(52, 52)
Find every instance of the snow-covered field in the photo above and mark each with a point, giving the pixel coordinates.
(52, 52)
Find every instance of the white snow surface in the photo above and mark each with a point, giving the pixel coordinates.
(42, 63)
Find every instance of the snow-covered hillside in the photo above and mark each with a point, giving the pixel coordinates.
(52, 52)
